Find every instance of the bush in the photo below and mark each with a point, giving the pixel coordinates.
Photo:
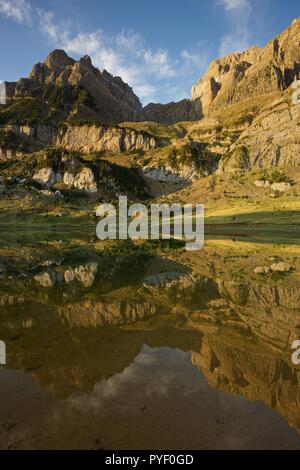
(278, 177)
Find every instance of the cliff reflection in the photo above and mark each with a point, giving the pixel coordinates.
(71, 323)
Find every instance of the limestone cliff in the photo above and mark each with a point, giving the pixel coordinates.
(84, 138)
(255, 72)
(103, 138)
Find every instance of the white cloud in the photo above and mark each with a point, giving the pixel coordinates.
(231, 5)
(17, 10)
(194, 59)
(126, 55)
(152, 73)
(129, 40)
(239, 39)
(159, 63)
(234, 43)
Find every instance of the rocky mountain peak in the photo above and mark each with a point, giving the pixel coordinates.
(77, 89)
(254, 72)
(89, 94)
(58, 60)
(87, 61)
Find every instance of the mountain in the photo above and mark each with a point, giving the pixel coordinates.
(253, 73)
(60, 124)
(236, 77)
(61, 89)
(171, 113)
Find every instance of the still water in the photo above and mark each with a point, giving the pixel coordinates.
(174, 350)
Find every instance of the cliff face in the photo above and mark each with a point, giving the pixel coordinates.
(237, 77)
(272, 140)
(101, 138)
(252, 73)
(185, 110)
(82, 138)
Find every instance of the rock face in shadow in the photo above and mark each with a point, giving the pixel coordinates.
(185, 110)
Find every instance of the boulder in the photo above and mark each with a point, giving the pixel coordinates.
(69, 276)
(46, 279)
(85, 180)
(163, 175)
(46, 176)
(281, 267)
(281, 187)
(262, 270)
(262, 184)
(86, 274)
(68, 179)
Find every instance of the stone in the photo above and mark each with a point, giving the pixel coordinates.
(281, 187)
(262, 183)
(69, 276)
(46, 279)
(281, 267)
(45, 176)
(262, 270)
(68, 179)
(58, 195)
(86, 274)
(162, 174)
(46, 192)
(85, 180)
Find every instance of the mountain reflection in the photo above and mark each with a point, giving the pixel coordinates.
(74, 321)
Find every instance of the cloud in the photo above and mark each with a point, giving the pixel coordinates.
(159, 63)
(152, 73)
(234, 43)
(127, 56)
(239, 39)
(129, 40)
(231, 5)
(194, 58)
(17, 10)
(163, 365)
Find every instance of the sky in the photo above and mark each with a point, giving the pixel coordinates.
(159, 47)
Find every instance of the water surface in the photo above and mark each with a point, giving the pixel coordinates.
(169, 351)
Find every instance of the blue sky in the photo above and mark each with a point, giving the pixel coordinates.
(159, 47)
